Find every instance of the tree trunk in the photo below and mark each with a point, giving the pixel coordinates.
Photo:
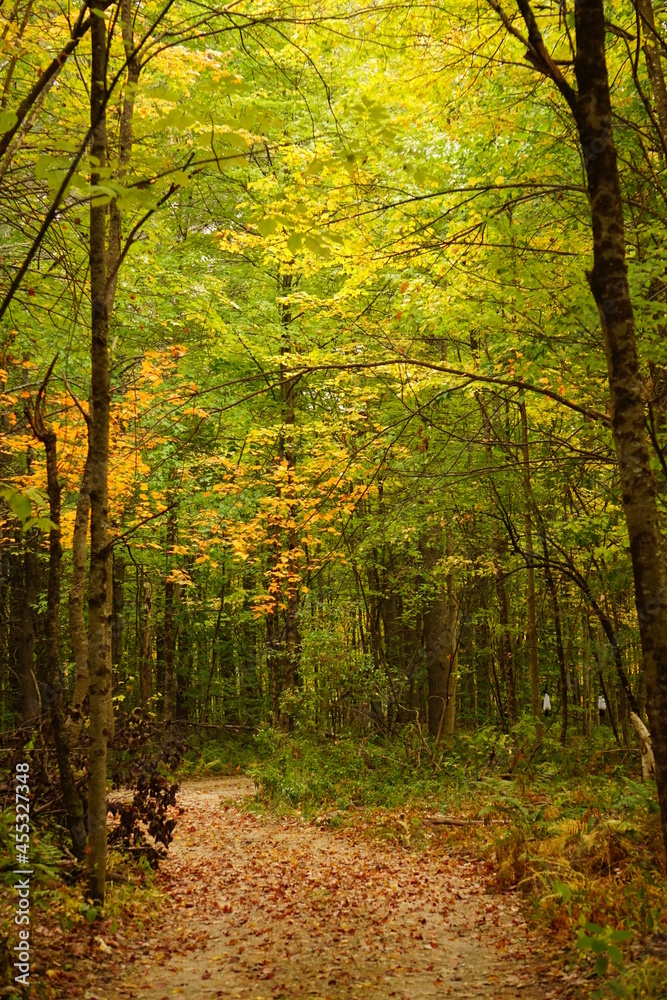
(111, 724)
(505, 643)
(609, 284)
(530, 568)
(125, 140)
(283, 637)
(560, 652)
(452, 641)
(118, 611)
(98, 601)
(146, 653)
(610, 708)
(53, 694)
(21, 631)
(288, 449)
(169, 637)
(435, 647)
(214, 650)
(182, 653)
(77, 593)
(652, 54)
(591, 109)
(648, 760)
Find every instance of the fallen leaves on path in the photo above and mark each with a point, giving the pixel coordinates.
(265, 909)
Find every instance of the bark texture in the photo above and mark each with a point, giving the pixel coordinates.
(100, 582)
(609, 284)
(440, 646)
(590, 105)
(146, 651)
(169, 628)
(530, 567)
(53, 692)
(283, 631)
(77, 594)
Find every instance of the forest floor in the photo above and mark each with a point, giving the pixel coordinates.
(258, 906)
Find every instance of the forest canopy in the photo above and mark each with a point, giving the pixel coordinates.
(333, 375)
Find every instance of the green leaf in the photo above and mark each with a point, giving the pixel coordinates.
(601, 965)
(235, 139)
(43, 165)
(20, 506)
(615, 954)
(40, 522)
(594, 929)
(317, 247)
(599, 945)
(7, 120)
(164, 93)
(562, 890)
(621, 935)
(267, 226)
(295, 242)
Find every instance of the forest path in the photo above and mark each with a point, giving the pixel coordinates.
(265, 908)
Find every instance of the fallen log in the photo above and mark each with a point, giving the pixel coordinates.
(453, 821)
(450, 821)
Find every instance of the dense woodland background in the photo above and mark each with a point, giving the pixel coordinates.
(342, 458)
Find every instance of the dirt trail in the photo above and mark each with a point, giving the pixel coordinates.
(263, 908)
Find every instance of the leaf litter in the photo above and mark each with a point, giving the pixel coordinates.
(263, 908)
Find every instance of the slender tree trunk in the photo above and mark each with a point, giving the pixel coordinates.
(214, 649)
(5, 678)
(560, 652)
(452, 641)
(182, 653)
(652, 54)
(505, 643)
(21, 631)
(169, 636)
(111, 723)
(118, 611)
(77, 593)
(530, 567)
(609, 705)
(288, 402)
(100, 582)
(125, 141)
(283, 636)
(504, 640)
(146, 653)
(435, 647)
(53, 693)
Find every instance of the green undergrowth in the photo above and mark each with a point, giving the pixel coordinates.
(226, 754)
(572, 829)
